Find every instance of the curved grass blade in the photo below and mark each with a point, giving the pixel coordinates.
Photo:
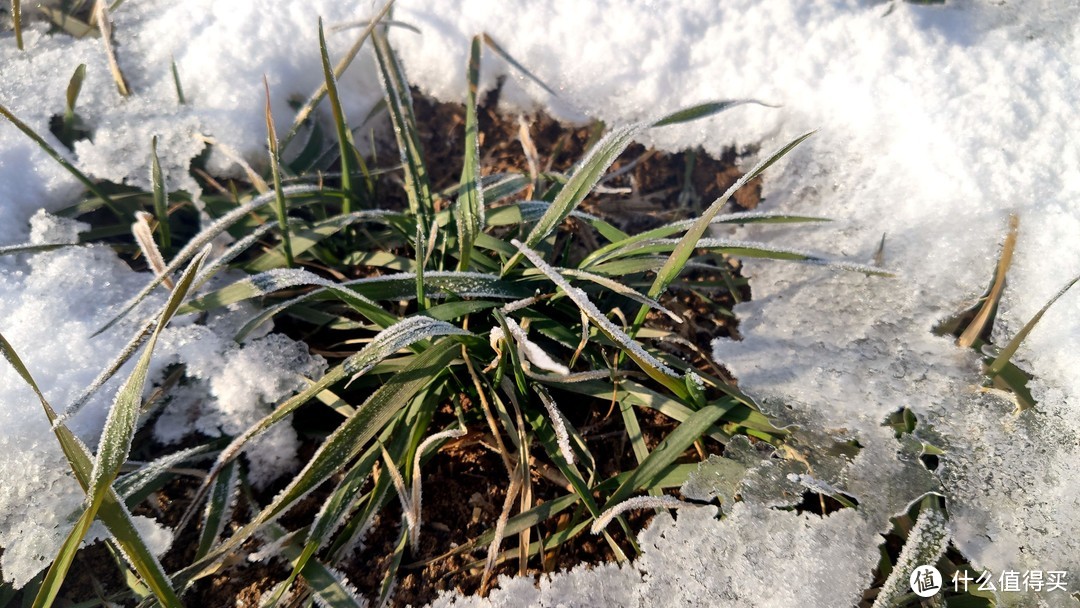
(469, 210)
(652, 366)
(986, 312)
(662, 501)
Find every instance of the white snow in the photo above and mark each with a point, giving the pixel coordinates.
(934, 123)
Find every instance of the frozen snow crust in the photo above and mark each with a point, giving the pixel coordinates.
(935, 123)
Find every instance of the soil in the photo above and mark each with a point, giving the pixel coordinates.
(464, 484)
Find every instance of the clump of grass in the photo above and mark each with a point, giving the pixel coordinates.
(480, 313)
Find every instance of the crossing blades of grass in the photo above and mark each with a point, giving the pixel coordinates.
(679, 257)
(469, 210)
(386, 343)
(671, 448)
(591, 168)
(200, 241)
(345, 139)
(608, 251)
(652, 366)
(339, 69)
(346, 442)
(585, 176)
(1010, 349)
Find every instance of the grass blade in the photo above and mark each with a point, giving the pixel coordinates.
(218, 508)
(399, 102)
(652, 366)
(989, 305)
(345, 141)
(123, 417)
(689, 241)
(513, 62)
(176, 83)
(702, 110)
(115, 442)
(469, 211)
(346, 442)
(161, 196)
(103, 23)
(67, 129)
(16, 17)
(586, 175)
(387, 342)
(608, 251)
(275, 169)
(113, 512)
(1007, 353)
(201, 240)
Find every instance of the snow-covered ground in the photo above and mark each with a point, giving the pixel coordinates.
(934, 124)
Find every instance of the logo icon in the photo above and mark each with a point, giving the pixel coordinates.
(925, 581)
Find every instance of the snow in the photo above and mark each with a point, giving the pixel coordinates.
(934, 124)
